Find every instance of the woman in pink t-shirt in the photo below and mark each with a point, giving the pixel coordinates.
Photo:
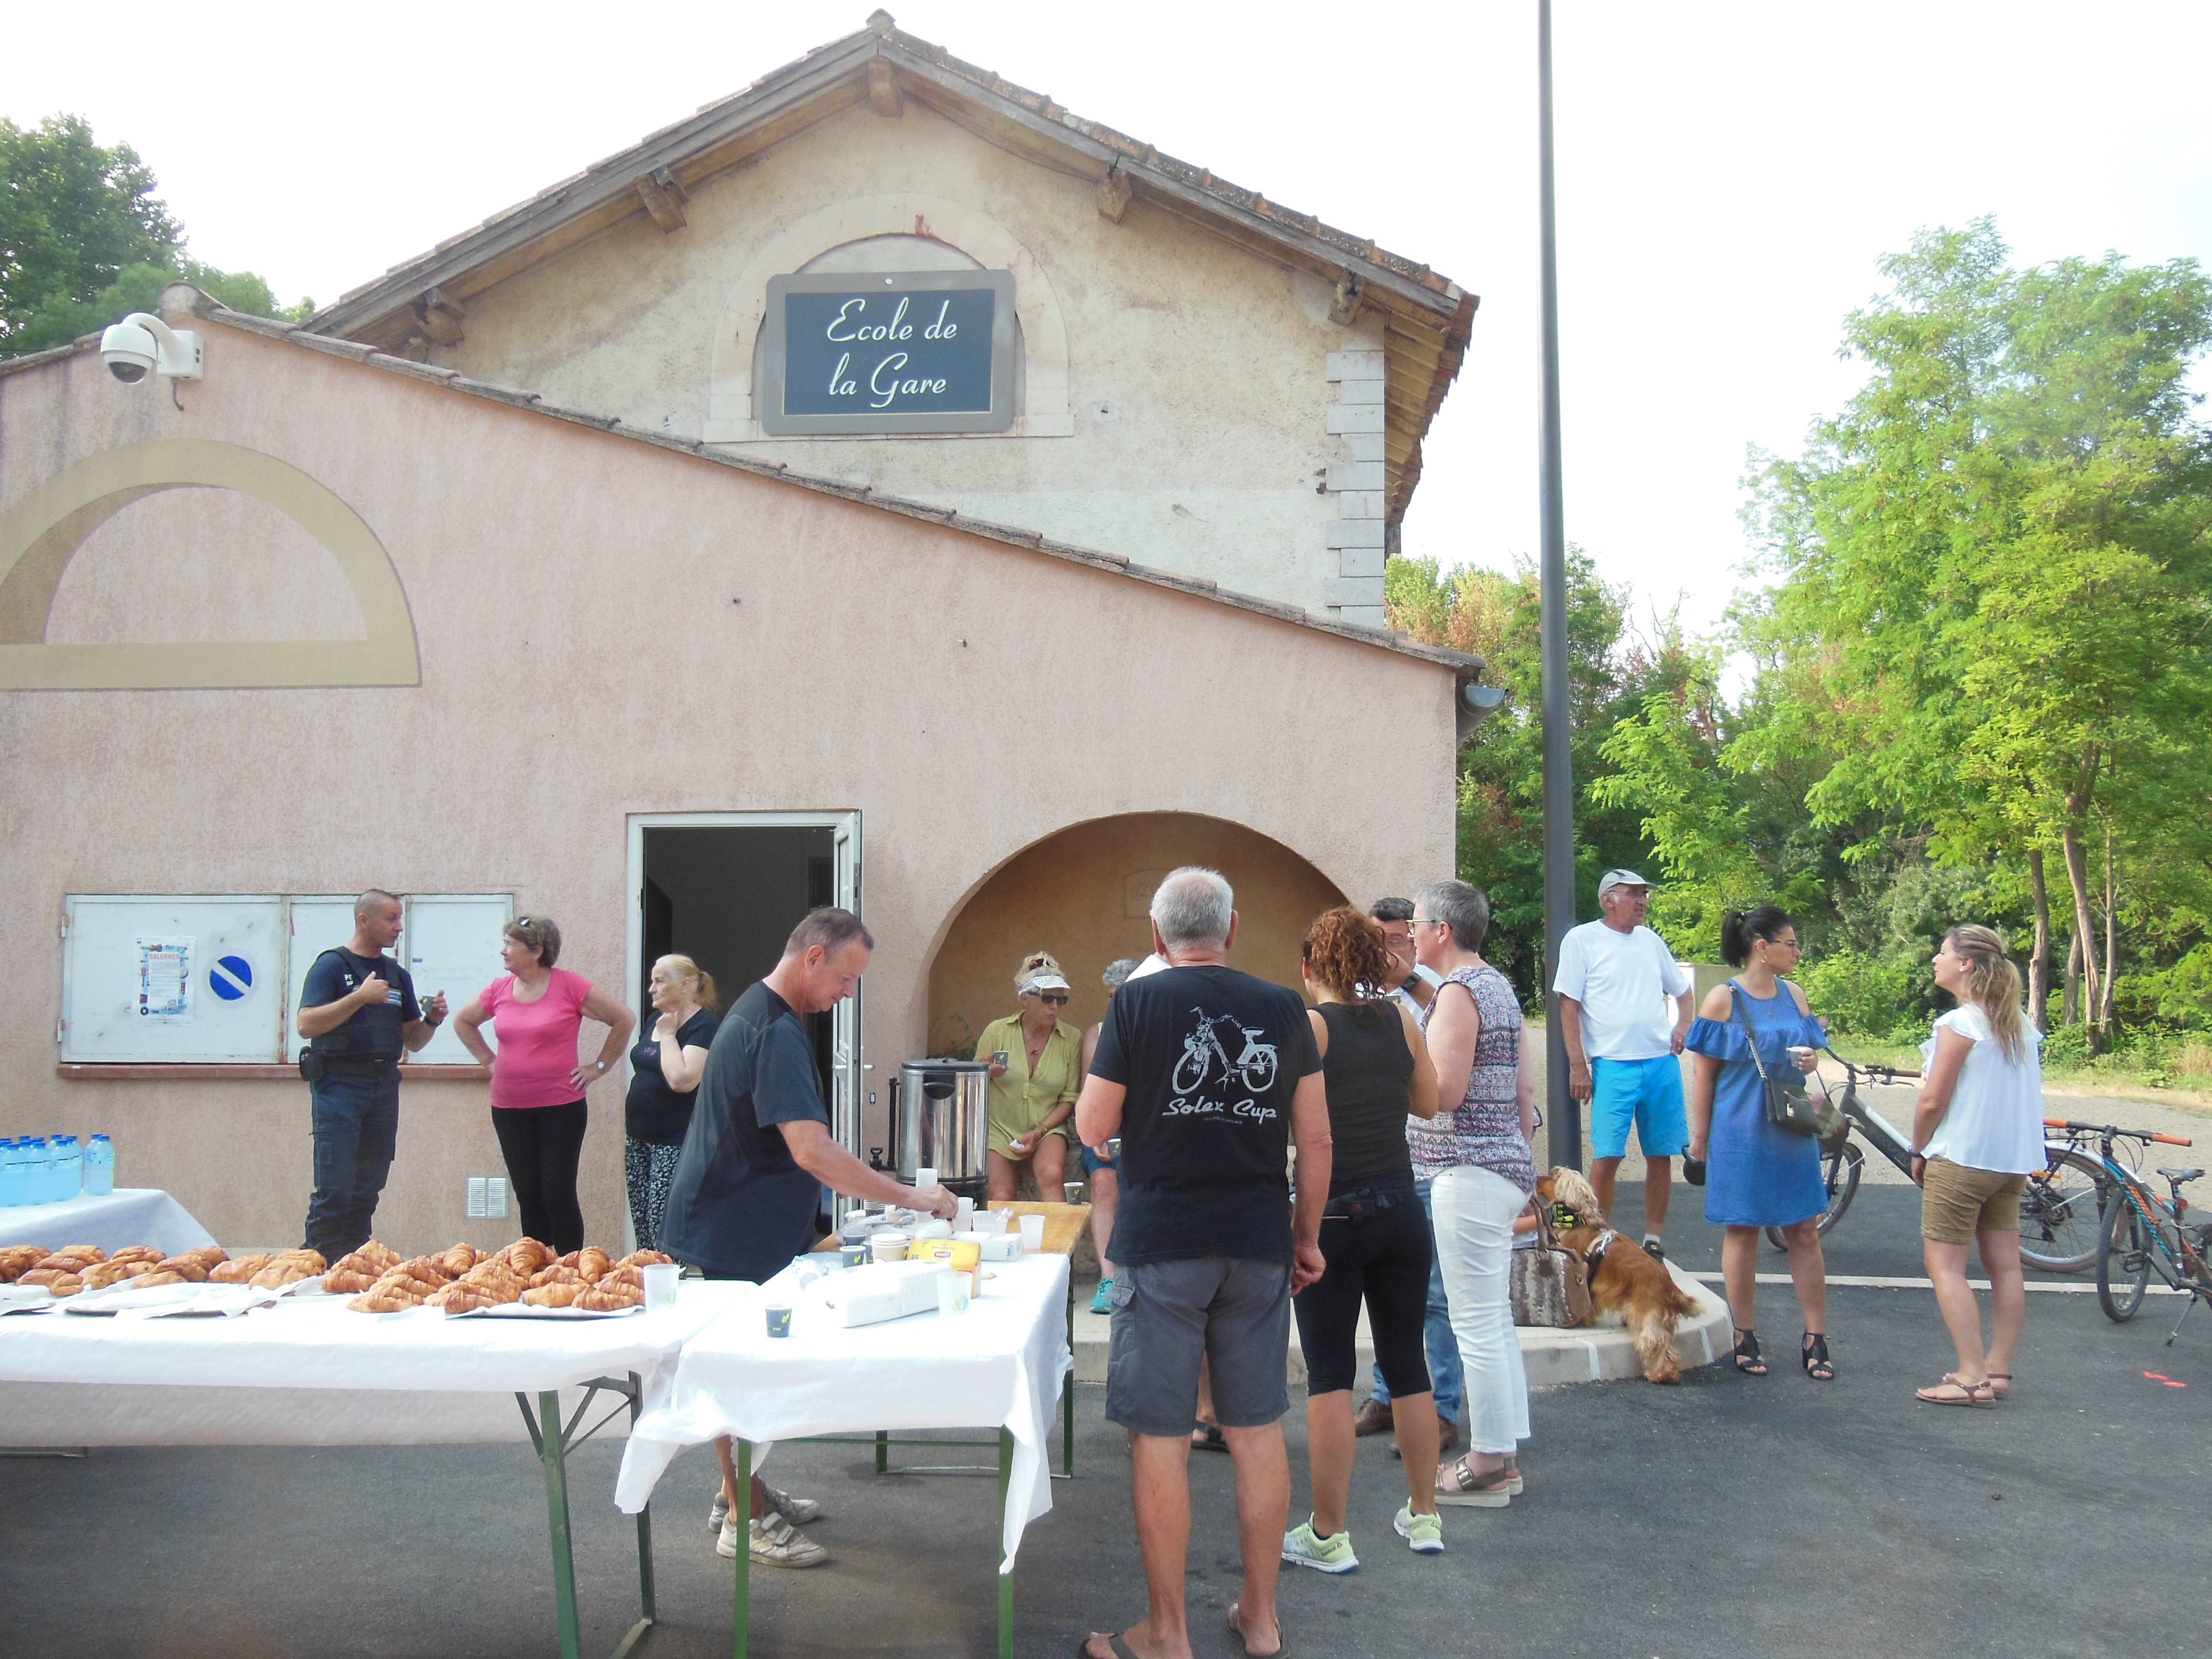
(537, 1106)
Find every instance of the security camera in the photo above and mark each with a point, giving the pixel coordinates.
(141, 344)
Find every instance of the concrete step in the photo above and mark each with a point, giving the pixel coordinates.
(1589, 1354)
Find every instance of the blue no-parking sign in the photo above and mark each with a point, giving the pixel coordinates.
(231, 977)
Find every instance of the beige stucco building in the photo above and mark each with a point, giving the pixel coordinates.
(492, 584)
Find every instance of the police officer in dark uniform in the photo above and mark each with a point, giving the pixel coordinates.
(358, 1012)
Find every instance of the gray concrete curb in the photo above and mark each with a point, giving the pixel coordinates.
(1553, 1357)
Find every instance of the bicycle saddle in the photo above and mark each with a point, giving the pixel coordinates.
(2181, 1177)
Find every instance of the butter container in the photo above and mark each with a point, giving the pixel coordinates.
(882, 1291)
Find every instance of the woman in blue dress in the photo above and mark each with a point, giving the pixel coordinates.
(1758, 1176)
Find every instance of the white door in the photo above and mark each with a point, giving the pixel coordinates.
(846, 1068)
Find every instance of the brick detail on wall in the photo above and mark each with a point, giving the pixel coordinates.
(1353, 485)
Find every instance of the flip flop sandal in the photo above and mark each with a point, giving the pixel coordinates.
(1120, 1648)
(1208, 1436)
(1282, 1637)
(1970, 1394)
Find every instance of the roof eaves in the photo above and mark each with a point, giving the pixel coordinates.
(1198, 586)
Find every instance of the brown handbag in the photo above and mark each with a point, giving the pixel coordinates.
(1550, 1284)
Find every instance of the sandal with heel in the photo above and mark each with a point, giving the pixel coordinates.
(1815, 1357)
(1747, 1360)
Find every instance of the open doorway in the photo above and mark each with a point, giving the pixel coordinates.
(726, 889)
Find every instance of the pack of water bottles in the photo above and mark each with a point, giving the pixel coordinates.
(36, 1171)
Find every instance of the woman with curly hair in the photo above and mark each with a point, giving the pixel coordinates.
(1036, 1072)
(1373, 1235)
(1977, 1136)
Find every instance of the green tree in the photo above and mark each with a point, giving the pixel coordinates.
(84, 241)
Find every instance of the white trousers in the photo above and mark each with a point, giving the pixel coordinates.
(1474, 1212)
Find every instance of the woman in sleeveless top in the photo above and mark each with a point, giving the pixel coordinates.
(1373, 1235)
(1758, 1176)
(1484, 1174)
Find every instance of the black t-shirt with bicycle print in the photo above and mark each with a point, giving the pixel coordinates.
(1212, 1059)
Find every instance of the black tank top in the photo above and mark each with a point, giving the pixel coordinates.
(1369, 1072)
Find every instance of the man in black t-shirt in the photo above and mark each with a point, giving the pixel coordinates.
(757, 1154)
(1209, 1077)
(358, 1012)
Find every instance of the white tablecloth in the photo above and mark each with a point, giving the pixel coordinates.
(75, 1380)
(999, 1365)
(129, 1215)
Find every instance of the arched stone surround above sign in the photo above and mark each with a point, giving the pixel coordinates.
(1044, 413)
(42, 532)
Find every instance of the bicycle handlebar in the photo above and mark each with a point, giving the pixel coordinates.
(2115, 1132)
(1880, 1074)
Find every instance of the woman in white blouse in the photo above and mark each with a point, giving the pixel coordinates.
(1977, 1136)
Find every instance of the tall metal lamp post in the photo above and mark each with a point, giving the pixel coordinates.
(1563, 1111)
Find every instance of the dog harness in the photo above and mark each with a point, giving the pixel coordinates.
(1594, 1257)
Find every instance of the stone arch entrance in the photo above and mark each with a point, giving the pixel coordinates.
(1082, 893)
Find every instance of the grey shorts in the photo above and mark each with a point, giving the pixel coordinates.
(1169, 1315)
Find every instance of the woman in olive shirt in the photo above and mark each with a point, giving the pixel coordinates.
(666, 1068)
(1037, 1070)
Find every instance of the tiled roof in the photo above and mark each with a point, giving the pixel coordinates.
(453, 381)
(1426, 316)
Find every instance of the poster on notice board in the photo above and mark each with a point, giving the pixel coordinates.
(164, 979)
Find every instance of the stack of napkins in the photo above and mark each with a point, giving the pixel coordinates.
(880, 1291)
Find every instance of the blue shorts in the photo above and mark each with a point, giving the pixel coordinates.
(1092, 1163)
(1647, 1091)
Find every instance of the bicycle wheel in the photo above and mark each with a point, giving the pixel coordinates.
(2060, 1212)
(1841, 1174)
(2124, 1248)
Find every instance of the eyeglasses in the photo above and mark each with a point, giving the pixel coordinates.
(1057, 998)
(1423, 921)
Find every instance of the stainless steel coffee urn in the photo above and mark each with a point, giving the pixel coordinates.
(941, 1119)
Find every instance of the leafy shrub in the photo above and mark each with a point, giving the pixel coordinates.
(2066, 1046)
(1862, 994)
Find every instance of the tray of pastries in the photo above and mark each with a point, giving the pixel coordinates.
(33, 1276)
(525, 1281)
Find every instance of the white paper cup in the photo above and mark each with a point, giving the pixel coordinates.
(952, 1291)
(888, 1246)
(661, 1285)
(963, 1219)
(1032, 1234)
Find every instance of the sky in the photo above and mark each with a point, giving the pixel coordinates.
(1730, 177)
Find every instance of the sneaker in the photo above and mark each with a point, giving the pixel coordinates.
(1424, 1533)
(1373, 1417)
(800, 1511)
(774, 1543)
(1333, 1554)
(1653, 1248)
(1098, 1303)
(719, 1513)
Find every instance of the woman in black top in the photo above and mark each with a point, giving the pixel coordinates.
(666, 1068)
(1374, 1236)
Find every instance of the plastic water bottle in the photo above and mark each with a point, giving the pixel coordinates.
(37, 1171)
(11, 1176)
(100, 1167)
(69, 1170)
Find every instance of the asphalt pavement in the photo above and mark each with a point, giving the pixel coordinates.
(1724, 1516)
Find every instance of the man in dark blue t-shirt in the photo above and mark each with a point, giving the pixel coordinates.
(1209, 1077)
(358, 1012)
(754, 1163)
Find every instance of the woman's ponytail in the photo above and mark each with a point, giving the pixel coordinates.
(1992, 985)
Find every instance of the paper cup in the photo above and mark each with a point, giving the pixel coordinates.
(963, 1218)
(851, 1255)
(1032, 1234)
(778, 1321)
(888, 1246)
(1074, 1189)
(952, 1293)
(661, 1285)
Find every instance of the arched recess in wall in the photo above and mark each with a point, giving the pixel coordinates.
(991, 244)
(41, 534)
(1084, 893)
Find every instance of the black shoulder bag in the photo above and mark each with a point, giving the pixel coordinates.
(1788, 1108)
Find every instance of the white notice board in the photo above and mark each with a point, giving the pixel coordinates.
(182, 977)
(452, 944)
(319, 923)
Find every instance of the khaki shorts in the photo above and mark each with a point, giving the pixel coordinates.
(1959, 1202)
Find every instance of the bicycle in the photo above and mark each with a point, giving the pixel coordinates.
(2142, 1231)
(2060, 1211)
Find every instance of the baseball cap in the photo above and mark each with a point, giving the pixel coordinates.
(1613, 878)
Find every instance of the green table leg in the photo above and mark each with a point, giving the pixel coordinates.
(1068, 1394)
(1005, 1579)
(648, 1612)
(745, 1593)
(552, 1455)
(882, 1451)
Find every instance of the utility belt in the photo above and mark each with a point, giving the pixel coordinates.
(315, 1064)
(1371, 1199)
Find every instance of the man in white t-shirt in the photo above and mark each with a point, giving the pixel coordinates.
(1615, 975)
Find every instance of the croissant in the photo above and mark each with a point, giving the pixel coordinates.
(67, 1261)
(311, 1260)
(342, 1280)
(460, 1258)
(609, 1298)
(238, 1271)
(592, 1261)
(114, 1272)
(46, 1276)
(159, 1276)
(633, 1276)
(644, 1259)
(88, 1253)
(190, 1272)
(129, 1251)
(459, 1299)
(558, 1272)
(278, 1274)
(491, 1293)
(382, 1300)
(528, 1255)
(65, 1284)
(208, 1255)
(556, 1295)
